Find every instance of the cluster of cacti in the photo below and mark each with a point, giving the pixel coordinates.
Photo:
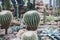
(31, 19)
(29, 35)
(5, 19)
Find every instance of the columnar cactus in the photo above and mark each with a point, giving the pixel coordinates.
(31, 19)
(5, 19)
(29, 35)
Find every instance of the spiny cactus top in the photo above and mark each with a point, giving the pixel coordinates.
(5, 17)
(29, 35)
(32, 18)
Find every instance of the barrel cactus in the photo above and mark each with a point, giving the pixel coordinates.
(29, 35)
(31, 19)
(5, 19)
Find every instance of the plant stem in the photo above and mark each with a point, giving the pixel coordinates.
(44, 16)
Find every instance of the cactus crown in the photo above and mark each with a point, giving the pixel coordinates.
(31, 18)
(29, 35)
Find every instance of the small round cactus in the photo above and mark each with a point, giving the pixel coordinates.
(31, 19)
(29, 35)
(5, 18)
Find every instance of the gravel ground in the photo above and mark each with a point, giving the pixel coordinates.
(12, 36)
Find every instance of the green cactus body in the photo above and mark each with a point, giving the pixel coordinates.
(29, 35)
(32, 19)
(5, 17)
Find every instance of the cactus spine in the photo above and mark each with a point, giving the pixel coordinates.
(29, 35)
(5, 19)
(31, 19)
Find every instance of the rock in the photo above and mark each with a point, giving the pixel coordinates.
(58, 23)
(15, 22)
(15, 39)
(55, 23)
(2, 31)
(19, 34)
(9, 30)
(46, 38)
(41, 23)
(9, 36)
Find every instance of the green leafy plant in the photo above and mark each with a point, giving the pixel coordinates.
(31, 19)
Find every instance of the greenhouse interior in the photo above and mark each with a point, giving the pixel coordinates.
(29, 19)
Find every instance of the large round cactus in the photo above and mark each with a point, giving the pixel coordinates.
(5, 19)
(29, 35)
(31, 19)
